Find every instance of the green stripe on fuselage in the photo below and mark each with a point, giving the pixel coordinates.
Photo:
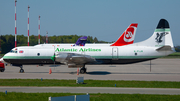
(97, 57)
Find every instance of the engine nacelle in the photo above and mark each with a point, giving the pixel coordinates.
(62, 58)
(73, 60)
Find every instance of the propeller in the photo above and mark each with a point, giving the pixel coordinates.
(53, 57)
(54, 61)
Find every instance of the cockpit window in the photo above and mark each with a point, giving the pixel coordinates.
(13, 51)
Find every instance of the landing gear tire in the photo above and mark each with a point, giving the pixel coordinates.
(2, 70)
(83, 70)
(21, 70)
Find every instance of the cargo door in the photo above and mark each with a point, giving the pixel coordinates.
(115, 53)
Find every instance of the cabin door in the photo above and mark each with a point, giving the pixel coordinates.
(115, 53)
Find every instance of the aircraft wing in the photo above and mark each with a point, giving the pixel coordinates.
(73, 58)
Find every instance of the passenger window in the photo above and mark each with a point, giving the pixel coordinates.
(135, 53)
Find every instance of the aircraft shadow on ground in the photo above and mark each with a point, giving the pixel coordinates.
(106, 73)
(54, 65)
(99, 73)
(88, 73)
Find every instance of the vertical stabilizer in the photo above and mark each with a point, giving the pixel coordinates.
(161, 36)
(81, 41)
(127, 37)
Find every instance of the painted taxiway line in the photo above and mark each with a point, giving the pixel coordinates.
(111, 90)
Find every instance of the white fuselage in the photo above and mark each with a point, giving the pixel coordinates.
(104, 54)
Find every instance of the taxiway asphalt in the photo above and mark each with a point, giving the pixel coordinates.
(111, 90)
(161, 70)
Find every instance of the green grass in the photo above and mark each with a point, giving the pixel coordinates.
(12, 96)
(88, 83)
(173, 55)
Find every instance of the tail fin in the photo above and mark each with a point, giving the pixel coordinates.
(81, 41)
(161, 36)
(127, 37)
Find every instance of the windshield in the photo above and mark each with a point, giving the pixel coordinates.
(13, 51)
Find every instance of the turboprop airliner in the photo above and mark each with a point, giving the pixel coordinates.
(41, 54)
(158, 45)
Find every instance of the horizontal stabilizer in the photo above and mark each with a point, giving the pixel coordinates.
(164, 48)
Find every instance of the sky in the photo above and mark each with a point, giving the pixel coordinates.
(104, 19)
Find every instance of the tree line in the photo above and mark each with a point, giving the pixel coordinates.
(7, 42)
(177, 48)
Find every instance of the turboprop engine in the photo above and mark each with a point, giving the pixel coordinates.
(72, 59)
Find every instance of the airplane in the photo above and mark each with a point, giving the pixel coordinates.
(81, 41)
(51, 53)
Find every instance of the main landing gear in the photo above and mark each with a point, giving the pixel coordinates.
(83, 70)
(21, 70)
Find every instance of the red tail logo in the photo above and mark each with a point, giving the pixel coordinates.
(127, 37)
(129, 34)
